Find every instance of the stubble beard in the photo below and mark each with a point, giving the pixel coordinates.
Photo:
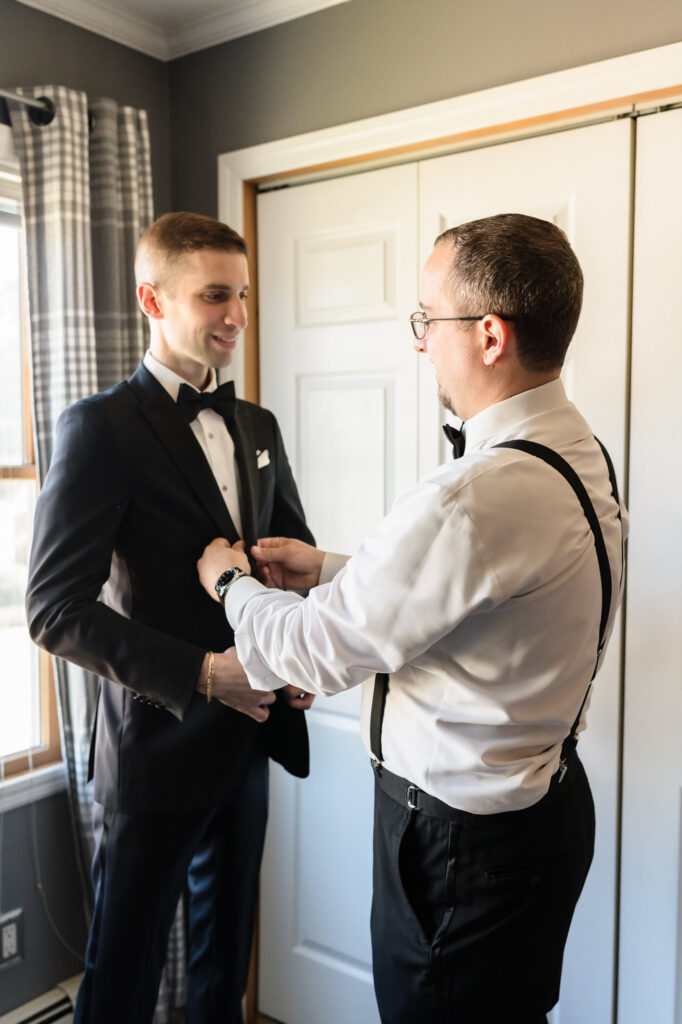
(446, 401)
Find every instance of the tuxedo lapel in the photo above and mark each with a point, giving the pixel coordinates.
(176, 436)
(247, 464)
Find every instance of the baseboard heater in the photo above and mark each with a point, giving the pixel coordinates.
(55, 1007)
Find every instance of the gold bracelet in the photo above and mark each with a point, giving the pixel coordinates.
(209, 680)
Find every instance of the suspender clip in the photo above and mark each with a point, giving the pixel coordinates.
(563, 768)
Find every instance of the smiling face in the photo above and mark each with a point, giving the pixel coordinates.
(198, 312)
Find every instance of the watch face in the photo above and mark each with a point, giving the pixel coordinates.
(223, 582)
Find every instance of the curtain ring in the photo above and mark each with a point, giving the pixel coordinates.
(46, 115)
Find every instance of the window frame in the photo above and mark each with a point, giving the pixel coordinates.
(48, 751)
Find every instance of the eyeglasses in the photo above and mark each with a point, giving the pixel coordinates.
(420, 321)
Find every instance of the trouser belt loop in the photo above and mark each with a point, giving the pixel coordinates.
(412, 797)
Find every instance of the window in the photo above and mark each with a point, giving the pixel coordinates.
(28, 718)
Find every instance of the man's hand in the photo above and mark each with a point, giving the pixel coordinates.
(218, 557)
(288, 564)
(231, 686)
(297, 698)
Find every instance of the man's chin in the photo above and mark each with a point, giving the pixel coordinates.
(221, 358)
(446, 401)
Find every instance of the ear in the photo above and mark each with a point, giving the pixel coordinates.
(495, 339)
(148, 300)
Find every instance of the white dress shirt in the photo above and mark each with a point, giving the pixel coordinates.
(211, 432)
(481, 596)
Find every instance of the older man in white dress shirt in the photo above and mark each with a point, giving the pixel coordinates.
(483, 603)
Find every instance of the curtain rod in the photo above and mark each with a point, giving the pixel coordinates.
(42, 109)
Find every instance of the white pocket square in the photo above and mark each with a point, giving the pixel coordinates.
(263, 458)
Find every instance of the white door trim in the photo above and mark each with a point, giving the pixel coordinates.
(601, 82)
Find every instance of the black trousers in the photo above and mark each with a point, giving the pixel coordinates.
(142, 865)
(470, 915)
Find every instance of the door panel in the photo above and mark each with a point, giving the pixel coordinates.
(337, 275)
(581, 181)
(650, 987)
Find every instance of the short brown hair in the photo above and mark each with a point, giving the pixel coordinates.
(525, 268)
(175, 235)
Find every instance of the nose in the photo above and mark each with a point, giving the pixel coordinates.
(419, 344)
(236, 314)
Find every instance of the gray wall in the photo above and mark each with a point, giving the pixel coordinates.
(37, 49)
(46, 961)
(373, 56)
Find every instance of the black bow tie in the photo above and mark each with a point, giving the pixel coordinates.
(222, 400)
(456, 438)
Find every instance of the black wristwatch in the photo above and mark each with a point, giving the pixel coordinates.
(225, 581)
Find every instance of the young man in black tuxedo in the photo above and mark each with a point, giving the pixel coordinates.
(142, 477)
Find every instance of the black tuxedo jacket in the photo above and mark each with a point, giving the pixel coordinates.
(130, 501)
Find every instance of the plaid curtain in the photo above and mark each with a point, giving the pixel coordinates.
(87, 193)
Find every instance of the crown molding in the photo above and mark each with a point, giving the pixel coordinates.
(244, 17)
(104, 21)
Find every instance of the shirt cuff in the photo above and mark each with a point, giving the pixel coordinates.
(331, 564)
(237, 596)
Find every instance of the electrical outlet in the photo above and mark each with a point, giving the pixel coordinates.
(11, 938)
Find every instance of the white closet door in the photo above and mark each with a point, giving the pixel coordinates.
(337, 278)
(650, 988)
(581, 180)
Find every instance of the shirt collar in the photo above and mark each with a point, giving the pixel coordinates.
(498, 419)
(170, 380)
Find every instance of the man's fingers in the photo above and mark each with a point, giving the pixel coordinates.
(270, 578)
(258, 712)
(297, 698)
(252, 703)
(272, 542)
(257, 698)
(239, 545)
(273, 549)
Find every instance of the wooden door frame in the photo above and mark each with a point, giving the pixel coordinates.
(622, 87)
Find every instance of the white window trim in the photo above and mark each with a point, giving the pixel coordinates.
(20, 790)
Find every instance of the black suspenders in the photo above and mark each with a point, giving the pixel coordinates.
(549, 456)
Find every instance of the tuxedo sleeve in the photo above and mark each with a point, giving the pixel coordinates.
(78, 517)
(288, 518)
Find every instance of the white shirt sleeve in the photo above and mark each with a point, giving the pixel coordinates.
(404, 589)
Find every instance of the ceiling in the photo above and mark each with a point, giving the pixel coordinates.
(166, 29)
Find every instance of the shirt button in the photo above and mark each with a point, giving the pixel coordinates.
(210, 437)
(224, 487)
